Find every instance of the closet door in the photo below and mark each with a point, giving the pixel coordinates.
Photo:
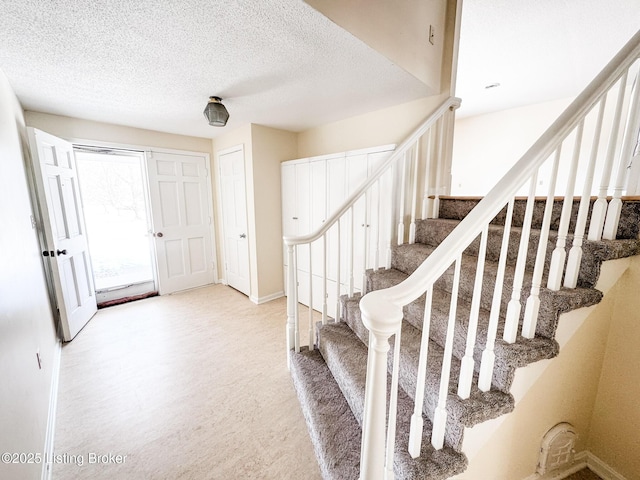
(234, 219)
(296, 218)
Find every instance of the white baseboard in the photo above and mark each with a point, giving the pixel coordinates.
(266, 298)
(47, 464)
(580, 461)
(600, 468)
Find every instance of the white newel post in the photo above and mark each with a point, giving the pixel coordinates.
(382, 318)
(292, 303)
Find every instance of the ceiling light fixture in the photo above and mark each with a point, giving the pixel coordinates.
(216, 113)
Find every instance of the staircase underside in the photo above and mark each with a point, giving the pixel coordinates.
(330, 381)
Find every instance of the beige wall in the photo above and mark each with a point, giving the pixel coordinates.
(615, 425)
(26, 321)
(398, 30)
(270, 147)
(264, 149)
(382, 127)
(598, 354)
(76, 129)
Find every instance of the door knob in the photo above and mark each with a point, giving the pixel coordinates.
(159, 235)
(243, 235)
(61, 252)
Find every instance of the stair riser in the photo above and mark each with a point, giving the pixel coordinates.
(629, 227)
(432, 232)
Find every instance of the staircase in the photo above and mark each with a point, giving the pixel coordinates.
(330, 381)
(470, 289)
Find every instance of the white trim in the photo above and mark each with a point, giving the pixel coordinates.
(602, 469)
(266, 298)
(47, 463)
(582, 460)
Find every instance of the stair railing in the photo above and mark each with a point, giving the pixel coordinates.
(378, 207)
(570, 151)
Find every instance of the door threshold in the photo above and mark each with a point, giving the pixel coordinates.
(132, 298)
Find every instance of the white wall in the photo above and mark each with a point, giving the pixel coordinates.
(486, 146)
(26, 321)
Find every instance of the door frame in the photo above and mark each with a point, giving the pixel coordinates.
(223, 254)
(145, 150)
(116, 293)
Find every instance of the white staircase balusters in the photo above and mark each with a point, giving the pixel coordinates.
(292, 302)
(514, 307)
(365, 241)
(403, 188)
(556, 269)
(377, 227)
(324, 279)
(628, 144)
(440, 414)
(425, 212)
(393, 407)
(338, 279)
(351, 241)
(532, 307)
(468, 363)
(599, 210)
(414, 194)
(442, 132)
(310, 311)
(488, 355)
(417, 423)
(575, 254)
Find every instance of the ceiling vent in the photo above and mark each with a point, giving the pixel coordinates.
(557, 448)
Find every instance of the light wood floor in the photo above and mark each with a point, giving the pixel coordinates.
(186, 386)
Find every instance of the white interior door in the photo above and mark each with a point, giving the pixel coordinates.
(63, 226)
(182, 222)
(234, 217)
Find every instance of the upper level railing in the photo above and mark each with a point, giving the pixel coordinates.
(360, 234)
(597, 133)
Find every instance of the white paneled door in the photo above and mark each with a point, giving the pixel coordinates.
(64, 237)
(234, 217)
(182, 222)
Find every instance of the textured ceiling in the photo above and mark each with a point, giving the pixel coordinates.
(153, 64)
(537, 50)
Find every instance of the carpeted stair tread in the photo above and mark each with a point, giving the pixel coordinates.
(480, 406)
(458, 208)
(348, 374)
(522, 352)
(330, 381)
(431, 232)
(408, 257)
(334, 431)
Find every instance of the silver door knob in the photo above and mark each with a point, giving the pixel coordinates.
(159, 235)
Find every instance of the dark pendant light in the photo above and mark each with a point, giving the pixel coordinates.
(216, 113)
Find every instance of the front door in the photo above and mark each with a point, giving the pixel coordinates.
(234, 217)
(182, 221)
(65, 240)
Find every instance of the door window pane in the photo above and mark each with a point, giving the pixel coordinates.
(113, 196)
